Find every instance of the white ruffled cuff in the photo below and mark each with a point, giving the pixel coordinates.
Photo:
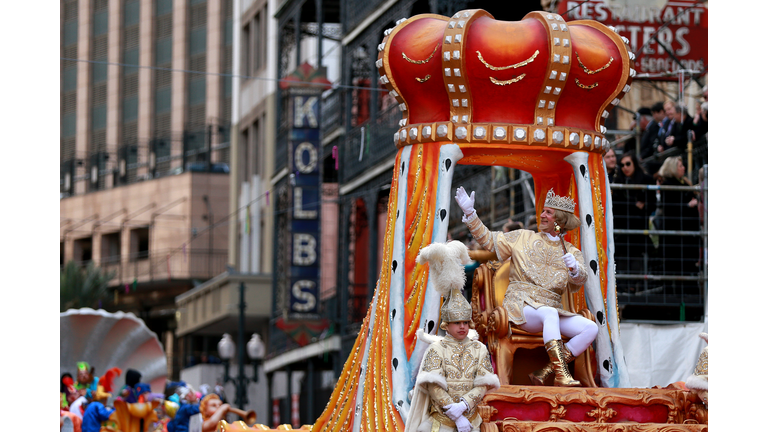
(470, 218)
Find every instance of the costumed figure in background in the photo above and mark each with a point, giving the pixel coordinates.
(188, 406)
(68, 394)
(97, 413)
(87, 382)
(132, 378)
(213, 411)
(542, 267)
(67, 390)
(456, 371)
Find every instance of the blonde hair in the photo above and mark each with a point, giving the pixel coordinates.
(567, 221)
(669, 167)
(204, 403)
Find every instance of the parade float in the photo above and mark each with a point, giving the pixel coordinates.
(531, 95)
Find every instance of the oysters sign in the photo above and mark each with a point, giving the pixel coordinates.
(305, 211)
(665, 30)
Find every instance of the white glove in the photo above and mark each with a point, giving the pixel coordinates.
(463, 425)
(570, 262)
(455, 410)
(466, 202)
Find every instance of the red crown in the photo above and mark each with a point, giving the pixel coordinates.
(473, 79)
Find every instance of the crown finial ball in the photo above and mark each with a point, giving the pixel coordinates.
(461, 132)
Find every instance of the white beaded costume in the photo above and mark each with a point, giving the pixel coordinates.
(450, 371)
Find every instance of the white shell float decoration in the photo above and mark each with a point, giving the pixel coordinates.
(106, 340)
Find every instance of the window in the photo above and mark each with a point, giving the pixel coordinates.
(139, 243)
(254, 43)
(110, 248)
(82, 250)
(246, 55)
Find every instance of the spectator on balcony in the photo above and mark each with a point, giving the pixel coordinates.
(652, 138)
(676, 131)
(610, 164)
(700, 123)
(679, 213)
(632, 209)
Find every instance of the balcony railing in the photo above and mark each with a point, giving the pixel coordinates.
(199, 148)
(164, 265)
(369, 144)
(331, 112)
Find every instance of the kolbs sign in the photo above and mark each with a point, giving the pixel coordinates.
(685, 37)
(305, 214)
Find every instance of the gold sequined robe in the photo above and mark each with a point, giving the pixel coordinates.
(450, 371)
(537, 274)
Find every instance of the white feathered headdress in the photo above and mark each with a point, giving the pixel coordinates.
(446, 265)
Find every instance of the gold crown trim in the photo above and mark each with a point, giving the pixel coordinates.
(563, 203)
(501, 133)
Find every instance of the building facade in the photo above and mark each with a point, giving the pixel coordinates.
(144, 149)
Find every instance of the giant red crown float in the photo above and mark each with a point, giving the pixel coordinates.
(473, 79)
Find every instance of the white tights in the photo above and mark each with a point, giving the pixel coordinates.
(545, 319)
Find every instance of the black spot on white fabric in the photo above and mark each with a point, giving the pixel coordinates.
(447, 164)
(593, 266)
(607, 365)
(443, 214)
(394, 312)
(394, 363)
(583, 170)
(589, 220)
(600, 317)
(430, 326)
(397, 215)
(402, 167)
(394, 266)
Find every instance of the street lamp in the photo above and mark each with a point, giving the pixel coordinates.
(255, 349)
(256, 353)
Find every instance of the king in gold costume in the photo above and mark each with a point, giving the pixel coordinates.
(539, 274)
(456, 370)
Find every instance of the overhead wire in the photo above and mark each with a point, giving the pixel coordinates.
(226, 75)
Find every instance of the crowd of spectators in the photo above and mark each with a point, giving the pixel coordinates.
(666, 130)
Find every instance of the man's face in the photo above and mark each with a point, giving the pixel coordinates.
(547, 221)
(669, 110)
(658, 115)
(458, 329)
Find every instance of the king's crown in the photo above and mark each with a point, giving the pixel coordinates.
(563, 203)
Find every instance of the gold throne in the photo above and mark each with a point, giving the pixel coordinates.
(510, 346)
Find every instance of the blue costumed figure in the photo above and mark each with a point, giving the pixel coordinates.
(94, 415)
(180, 422)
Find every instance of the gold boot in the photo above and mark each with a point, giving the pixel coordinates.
(556, 352)
(540, 376)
